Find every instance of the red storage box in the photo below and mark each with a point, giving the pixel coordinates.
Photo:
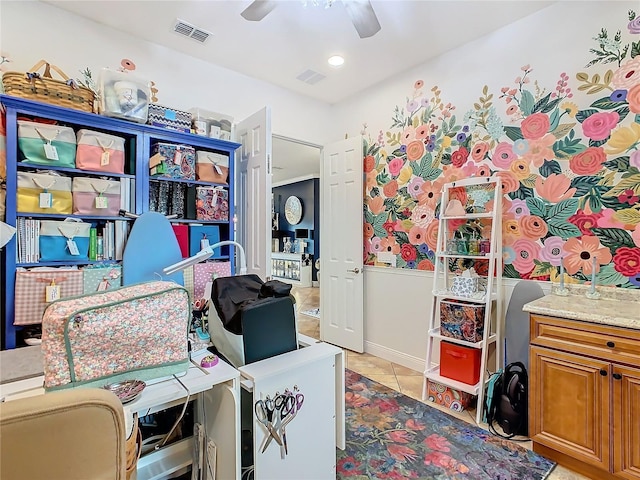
(460, 363)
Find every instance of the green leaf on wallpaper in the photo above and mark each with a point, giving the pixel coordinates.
(551, 105)
(375, 191)
(526, 102)
(401, 237)
(563, 210)
(542, 268)
(540, 104)
(593, 199)
(584, 183)
(635, 49)
(530, 181)
(561, 130)
(563, 229)
(609, 276)
(582, 115)
(628, 216)
(510, 272)
(613, 238)
(400, 263)
(378, 229)
(637, 119)
(368, 216)
(567, 147)
(522, 193)
(445, 159)
(549, 167)
(623, 112)
(605, 103)
(536, 207)
(383, 178)
(397, 153)
(621, 164)
(554, 119)
(514, 133)
(632, 182)
(431, 173)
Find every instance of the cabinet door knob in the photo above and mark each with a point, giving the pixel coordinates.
(611, 344)
(603, 372)
(617, 376)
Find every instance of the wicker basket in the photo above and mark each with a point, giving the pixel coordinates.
(44, 88)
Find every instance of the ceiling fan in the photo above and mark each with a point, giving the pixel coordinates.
(360, 12)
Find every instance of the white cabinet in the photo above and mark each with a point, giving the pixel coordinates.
(465, 323)
(293, 268)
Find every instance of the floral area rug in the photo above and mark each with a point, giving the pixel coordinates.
(392, 436)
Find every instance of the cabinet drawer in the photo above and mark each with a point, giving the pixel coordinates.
(616, 344)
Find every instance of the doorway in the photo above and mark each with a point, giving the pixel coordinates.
(296, 173)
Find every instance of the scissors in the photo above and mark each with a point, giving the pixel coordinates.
(296, 400)
(264, 413)
(285, 407)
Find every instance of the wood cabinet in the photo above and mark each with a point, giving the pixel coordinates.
(585, 396)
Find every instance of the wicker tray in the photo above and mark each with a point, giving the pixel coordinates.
(34, 86)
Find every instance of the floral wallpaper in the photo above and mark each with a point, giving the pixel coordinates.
(570, 172)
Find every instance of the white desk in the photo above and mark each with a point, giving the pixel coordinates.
(218, 389)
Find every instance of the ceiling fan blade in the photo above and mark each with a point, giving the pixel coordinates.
(363, 17)
(258, 10)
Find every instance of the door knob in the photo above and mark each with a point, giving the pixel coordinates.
(355, 270)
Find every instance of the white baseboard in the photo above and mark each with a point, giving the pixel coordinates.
(409, 361)
(315, 283)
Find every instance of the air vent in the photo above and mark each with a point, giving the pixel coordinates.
(311, 77)
(188, 30)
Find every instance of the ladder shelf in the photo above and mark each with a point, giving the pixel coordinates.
(474, 213)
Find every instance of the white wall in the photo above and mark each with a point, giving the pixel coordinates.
(31, 30)
(554, 40)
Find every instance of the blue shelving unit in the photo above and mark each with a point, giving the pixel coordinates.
(139, 138)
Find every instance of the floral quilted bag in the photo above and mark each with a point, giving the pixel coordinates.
(138, 332)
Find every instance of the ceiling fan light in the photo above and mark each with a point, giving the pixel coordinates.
(336, 61)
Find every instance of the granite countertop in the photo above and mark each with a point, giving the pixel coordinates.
(617, 307)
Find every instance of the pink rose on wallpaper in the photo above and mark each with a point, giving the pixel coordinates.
(503, 155)
(535, 126)
(585, 221)
(408, 252)
(633, 98)
(526, 252)
(479, 151)
(634, 25)
(395, 165)
(415, 150)
(627, 261)
(390, 189)
(588, 162)
(627, 75)
(598, 126)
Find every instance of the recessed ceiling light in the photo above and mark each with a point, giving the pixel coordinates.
(336, 61)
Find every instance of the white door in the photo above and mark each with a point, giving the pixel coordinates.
(341, 223)
(254, 191)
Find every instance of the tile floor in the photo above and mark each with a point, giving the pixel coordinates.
(397, 377)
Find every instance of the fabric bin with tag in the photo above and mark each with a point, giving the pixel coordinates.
(44, 144)
(172, 161)
(95, 196)
(144, 326)
(99, 278)
(460, 363)
(58, 237)
(206, 272)
(99, 152)
(464, 321)
(43, 193)
(212, 203)
(170, 118)
(31, 290)
(212, 167)
(204, 235)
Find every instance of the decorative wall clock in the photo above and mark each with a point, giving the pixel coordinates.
(293, 210)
